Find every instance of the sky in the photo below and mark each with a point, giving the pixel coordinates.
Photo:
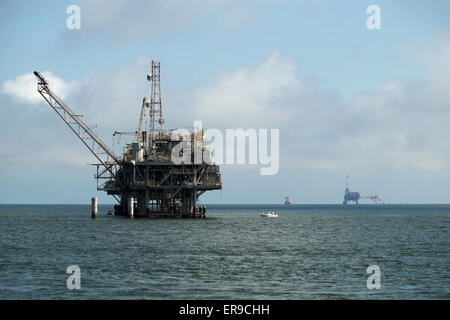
(373, 104)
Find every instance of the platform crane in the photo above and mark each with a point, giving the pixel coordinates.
(107, 158)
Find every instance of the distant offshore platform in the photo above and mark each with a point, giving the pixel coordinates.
(355, 196)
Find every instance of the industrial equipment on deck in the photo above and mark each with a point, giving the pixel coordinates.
(145, 181)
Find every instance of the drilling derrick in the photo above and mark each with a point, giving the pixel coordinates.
(155, 100)
(146, 181)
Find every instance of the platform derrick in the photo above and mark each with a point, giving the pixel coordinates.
(145, 176)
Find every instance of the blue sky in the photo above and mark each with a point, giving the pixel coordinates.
(371, 103)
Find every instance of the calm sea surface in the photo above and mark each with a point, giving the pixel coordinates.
(309, 252)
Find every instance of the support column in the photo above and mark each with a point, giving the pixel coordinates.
(146, 198)
(194, 202)
(94, 208)
(142, 207)
(131, 208)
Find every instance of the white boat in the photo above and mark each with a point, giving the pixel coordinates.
(269, 214)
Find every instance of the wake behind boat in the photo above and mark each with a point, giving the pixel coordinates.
(269, 214)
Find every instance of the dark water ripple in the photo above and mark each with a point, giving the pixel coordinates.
(309, 252)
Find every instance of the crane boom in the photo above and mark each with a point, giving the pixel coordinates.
(73, 120)
(139, 132)
(141, 120)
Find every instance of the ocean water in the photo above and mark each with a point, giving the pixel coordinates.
(309, 252)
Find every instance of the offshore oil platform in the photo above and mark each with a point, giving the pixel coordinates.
(287, 201)
(145, 180)
(355, 196)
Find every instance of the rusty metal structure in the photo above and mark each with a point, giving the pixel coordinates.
(161, 174)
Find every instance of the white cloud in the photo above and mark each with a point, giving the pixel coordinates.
(399, 125)
(144, 18)
(24, 87)
(248, 96)
(134, 19)
(111, 99)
